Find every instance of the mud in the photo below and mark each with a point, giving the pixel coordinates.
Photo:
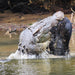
(20, 21)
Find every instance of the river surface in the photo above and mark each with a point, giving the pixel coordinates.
(33, 66)
(38, 67)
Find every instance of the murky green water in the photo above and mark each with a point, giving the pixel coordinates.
(7, 44)
(36, 66)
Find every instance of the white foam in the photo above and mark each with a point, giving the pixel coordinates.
(18, 55)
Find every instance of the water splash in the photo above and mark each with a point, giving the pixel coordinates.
(43, 55)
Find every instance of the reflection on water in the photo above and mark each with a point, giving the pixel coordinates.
(38, 67)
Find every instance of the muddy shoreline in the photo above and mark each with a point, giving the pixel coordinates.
(20, 21)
